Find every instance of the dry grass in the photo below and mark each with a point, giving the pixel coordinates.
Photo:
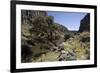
(82, 49)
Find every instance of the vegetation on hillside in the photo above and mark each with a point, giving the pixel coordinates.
(44, 40)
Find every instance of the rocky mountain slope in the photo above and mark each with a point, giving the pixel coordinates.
(85, 24)
(44, 40)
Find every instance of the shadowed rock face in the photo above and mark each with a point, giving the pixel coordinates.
(27, 15)
(85, 24)
(26, 43)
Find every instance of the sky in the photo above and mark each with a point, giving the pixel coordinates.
(71, 20)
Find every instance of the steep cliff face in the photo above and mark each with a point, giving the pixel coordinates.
(27, 15)
(26, 20)
(85, 24)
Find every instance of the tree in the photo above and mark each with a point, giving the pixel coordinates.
(50, 21)
(67, 36)
(42, 27)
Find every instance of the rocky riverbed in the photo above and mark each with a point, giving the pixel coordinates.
(72, 49)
